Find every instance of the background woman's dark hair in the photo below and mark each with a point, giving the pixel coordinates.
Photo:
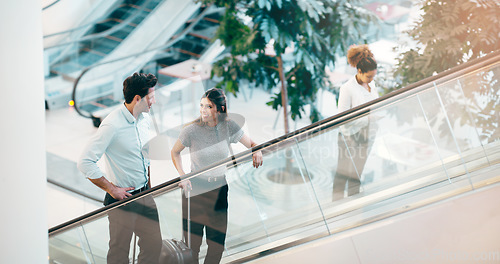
(362, 58)
(138, 84)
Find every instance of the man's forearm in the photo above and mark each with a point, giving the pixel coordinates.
(103, 183)
(116, 192)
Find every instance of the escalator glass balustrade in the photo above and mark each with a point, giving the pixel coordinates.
(426, 142)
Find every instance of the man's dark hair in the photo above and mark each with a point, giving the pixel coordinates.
(138, 84)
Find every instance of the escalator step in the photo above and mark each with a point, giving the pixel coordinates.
(104, 45)
(123, 33)
(118, 40)
(105, 25)
(152, 5)
(66, 68)
(196, 40)
(106, 42)
(204, 30)
(212, 20)
(189, 46)
(201, 34)
(87, 58)
(194, 15)
(137, 20)
(94, 51)
(187, 52)
(120, 34)
(123, 12)
(204, 23)
(215, 17)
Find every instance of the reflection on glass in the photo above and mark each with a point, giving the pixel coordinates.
(419, 144)
(278, 197)
(354, 143)
(72, 247)
(139, 218)
(481, 101)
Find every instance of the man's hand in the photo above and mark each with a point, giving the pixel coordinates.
(120, 193)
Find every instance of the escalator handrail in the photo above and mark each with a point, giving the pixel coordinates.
(101, 34)
(50, 5)
(314, 128)
(167, 45)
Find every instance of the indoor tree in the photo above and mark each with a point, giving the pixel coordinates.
(287, 44)
(449, 33)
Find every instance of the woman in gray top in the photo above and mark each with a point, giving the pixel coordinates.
(208, 139)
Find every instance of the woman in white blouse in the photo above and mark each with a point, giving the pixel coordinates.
(353, 139)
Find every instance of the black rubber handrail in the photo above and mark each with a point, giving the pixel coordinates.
(50, 5)
(167, 45)
(312, 129)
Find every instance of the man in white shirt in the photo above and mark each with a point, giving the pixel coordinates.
(120, 139)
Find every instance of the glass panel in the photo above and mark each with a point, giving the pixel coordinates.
(482, 99)
(461, 122)
(402, 152)
(372, 157)
(169, 210)
(269, 204)
(97, 238)
(403, 147)
(448, 144)
(72, 246)
(90, 242)
(247, 225)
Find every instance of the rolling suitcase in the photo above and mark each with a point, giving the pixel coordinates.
(176, 251)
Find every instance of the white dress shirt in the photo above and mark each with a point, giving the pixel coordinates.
(120, 138)
(351, 95)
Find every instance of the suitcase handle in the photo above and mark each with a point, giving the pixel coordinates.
(189, 218)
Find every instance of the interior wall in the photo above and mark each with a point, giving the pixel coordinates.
(463, 229)
(23, 225)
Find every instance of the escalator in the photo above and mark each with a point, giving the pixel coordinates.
(123, 27)
(193, 44)
(99, 87)
(103, 36)
(96, 89)
(435, 139)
